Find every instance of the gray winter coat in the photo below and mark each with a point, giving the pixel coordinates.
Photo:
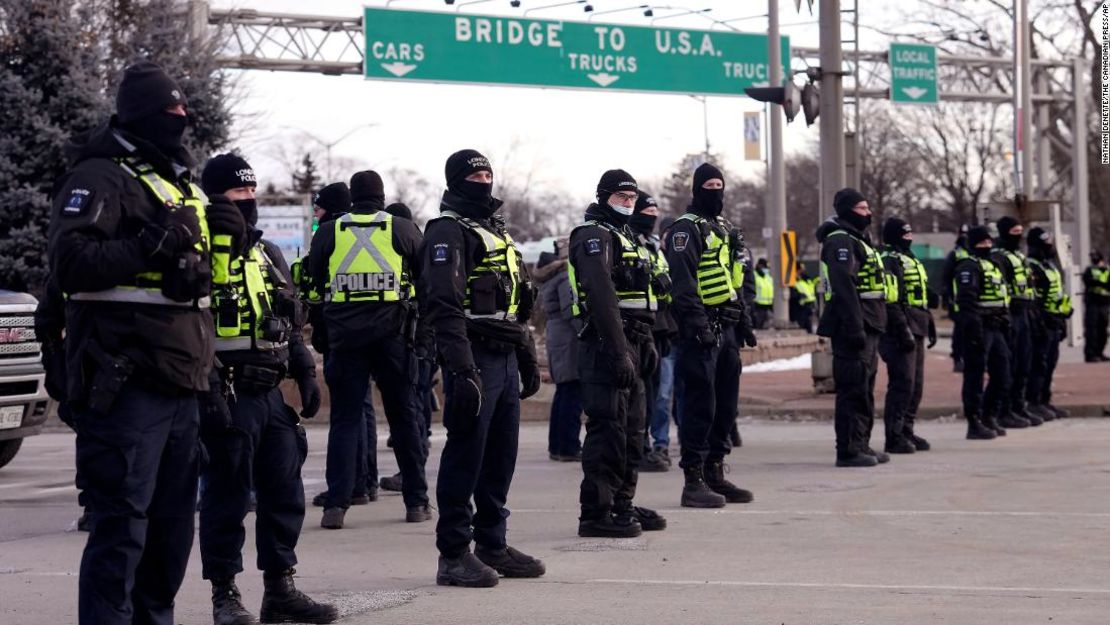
(562, 340)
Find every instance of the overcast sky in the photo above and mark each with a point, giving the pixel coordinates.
(565, 139)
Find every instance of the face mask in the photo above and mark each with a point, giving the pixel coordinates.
(164, 130)
(249, 208)
(860, 222)
(904, 245)
(981, 252)
(480, 192)
(1009, 241)
(709, 202)
(621, 209)
(644, 224)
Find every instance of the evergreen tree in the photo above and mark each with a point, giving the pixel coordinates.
(305, 179)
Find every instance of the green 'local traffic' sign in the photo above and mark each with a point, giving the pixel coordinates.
(461, 47)
(913, 73)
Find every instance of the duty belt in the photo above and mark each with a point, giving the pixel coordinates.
(873, 295)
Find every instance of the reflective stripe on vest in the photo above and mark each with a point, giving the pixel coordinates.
(363, 266)
(807, 291)
(914, 279)
(993, 292)
(715, 284)
(871, 280)
(631, 275)
(502, 260)
(1102, 276)
(305, 286)
(146, 287)
(1020, 287)
(248, 299)
(764, 289)
(660, 267)
(1056, 301)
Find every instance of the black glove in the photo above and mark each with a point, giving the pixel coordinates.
(310, 395)
(54, 365)
(932, 333)
(529, 379)
(747, 336)
(178, 232)
(224, 217)
(649, 359)
(215, 414)
(465, 401)
(708, 338)
(624, 371)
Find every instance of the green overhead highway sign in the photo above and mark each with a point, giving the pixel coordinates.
(468, 48)
(913, 73)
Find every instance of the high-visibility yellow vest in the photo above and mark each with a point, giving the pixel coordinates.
(715, 267)
(631, 273)
(146, 287)
(992, 291)
(244, 308)
(1102, 277)
(306, 286)
(871, 281)
(661, 269)
(914, 279)
(807, 291)
(500, 264)
(1021, 287)
(764, 289)
(363, 266)
(1056, 301)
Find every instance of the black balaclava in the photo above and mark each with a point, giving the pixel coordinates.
(1097, 257)
(145, 92)
(462, 164)
(639, 222)
(1006, 240)
(1041, 244)
(367, 190)
(231, 171)
(975, 236)
(335, 199)
(611, 182)
(761, 264)
(894, 234)
(844, 201)
(399, 210)
(707, 203)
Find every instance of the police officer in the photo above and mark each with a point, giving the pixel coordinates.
(254, 441)
(1050, 326)
(611, 274)
(477, 300)
(981, 301)
(764, 309)
(367, 262)
(129, 247)
(702, 251)
(1012, 263)
(948, 274)
(805, 299)
(1096, 308)
(854, 318)
(903, 346)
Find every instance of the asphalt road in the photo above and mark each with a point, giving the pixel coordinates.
(1008, 531)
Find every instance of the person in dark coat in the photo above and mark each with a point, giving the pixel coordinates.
(563, 436)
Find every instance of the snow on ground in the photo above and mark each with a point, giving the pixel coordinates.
(797, 363)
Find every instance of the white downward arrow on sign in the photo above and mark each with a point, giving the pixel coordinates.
(603, 79)
(398, 69)
(914, 92)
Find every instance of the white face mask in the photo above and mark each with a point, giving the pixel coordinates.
(622, 209)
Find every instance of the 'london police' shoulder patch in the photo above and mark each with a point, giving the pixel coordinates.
(965, 277)
(440, 254)
(680, 239)
(843, 254)
(77, 203)
(593, 247)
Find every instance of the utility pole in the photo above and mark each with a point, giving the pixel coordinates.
(832, 104)
(1023, 156)
(776, 206)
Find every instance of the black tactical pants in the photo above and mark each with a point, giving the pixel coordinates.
(905, 384)
(710, 379)
(990, 356)
(854, 371)
(263, 449)
(1095, 318)
(1046, 354)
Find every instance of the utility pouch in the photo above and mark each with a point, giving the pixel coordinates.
(228, 317)
(189, 278)
(485, 293)
(108, 379)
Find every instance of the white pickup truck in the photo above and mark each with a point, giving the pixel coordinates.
(23, 399)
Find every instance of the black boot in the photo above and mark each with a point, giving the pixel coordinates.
(992, 424)
(855, 460)
(879, 456)
(227, 604)
(898, 444)
(1012, 421)
(715, 480)
(976, 430)
(608, 525)
(650, 520)
(1057, 411)
(1039, 411)
(466, 571)
(1033, 420)
(695, 492)
(283, 603)
(510, 562)
(391, 483)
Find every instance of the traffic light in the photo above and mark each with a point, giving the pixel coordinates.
(788, 95)
(811, 102)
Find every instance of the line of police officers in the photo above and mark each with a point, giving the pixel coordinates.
(181, 322)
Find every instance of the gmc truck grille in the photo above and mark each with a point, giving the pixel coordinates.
(17, 338)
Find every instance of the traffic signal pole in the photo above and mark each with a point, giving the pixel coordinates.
(832, 104)
(775, 216)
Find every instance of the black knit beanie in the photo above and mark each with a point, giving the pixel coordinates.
(145, 89)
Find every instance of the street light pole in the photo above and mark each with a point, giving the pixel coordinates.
(832, 104)
(775, 216)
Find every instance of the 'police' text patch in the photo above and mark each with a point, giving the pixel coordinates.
(843, 254)
(77, 203)
(680, 240)
(593, 247)
(439, 254)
